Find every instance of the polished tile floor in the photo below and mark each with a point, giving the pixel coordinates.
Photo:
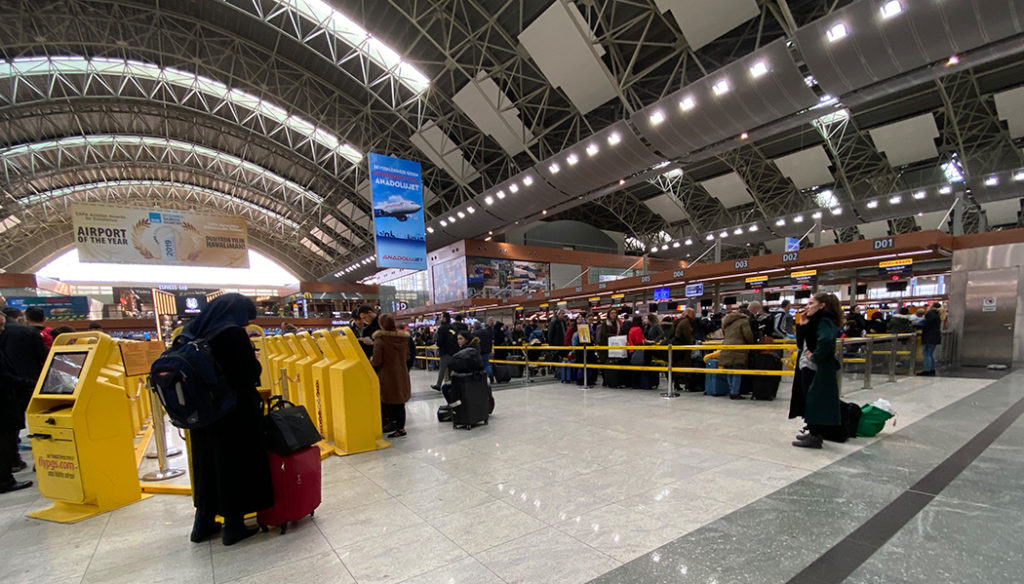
(565, 486)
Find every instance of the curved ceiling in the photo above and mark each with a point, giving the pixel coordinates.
(273, 104)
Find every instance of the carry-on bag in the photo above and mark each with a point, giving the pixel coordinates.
(502, 373)
(765, 387)
(296, 479)
(850, 415)
(872, 420)
(288, 428)
(715, 383)
(472, 401)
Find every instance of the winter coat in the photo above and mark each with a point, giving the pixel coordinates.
(390, 355)
(467, 359)
(931, 328)
(486, 336)
(822, 398)
(20, 365)
(653, 333)
(735, 331)
(445, 339)
(683, 336)
(900, 323)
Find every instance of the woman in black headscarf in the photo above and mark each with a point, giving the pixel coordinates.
(230, 473)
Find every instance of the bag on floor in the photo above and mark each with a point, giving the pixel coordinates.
(288, 428)
(296, 479)
(850, 415)
(472, 401)
(502, 373)
(715, 383)
(872, 420)
(615, 377)
(444, 413)
(765, 387)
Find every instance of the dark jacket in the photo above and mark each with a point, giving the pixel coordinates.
(931, 328)
(486, 336)
(683, 335)
(229, 461)
(22, 359)
(390, 359)
(735, 331)
(447, 344)
(900, 323)
(556, 332)
(467, 359)
(365, 332)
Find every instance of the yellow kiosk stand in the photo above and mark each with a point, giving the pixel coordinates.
(278, 354)
(322, 381)
(355, 398)
(81, 431)
(304, 391)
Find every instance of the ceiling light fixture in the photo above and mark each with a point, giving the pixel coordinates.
(688, 241)
(953, 60)
(675, 244)
(780, 222)
(554, 168)
(592, 149)
(1018, 176)
(838, 31)
(752, 228)
(444, 223)
(836, 210)
(816, 215)
(657, 117)
(614, 138)
(710, 237)
(514, 188)
(744, 136)
(872, 204)
(991, 181)
(430, 229)
(687, 103)
(738, 231)
(461, 215)
(489, 200)
(572, 159)
(758, 69)
(527, 180)
(895, 200)
(946, 190)
(721, 87)
(798, 219)
(723, 234)
(920, 195)
(891, 8)
(470, 210)
(501, 194)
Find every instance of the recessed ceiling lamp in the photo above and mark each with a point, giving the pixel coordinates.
(489, 200)
(527, 180)
(592, 149)
(752, 228)
(872, 204)
(798, 219)
(991, 181)
(572, 159)
(895, 200)
(721, 87)
(687, 103)
(946, 190)
(501, 194)
(430, 229)
(554, 168)
(657, 117)
(758, 69)
(688, 241)
(710, 237)
(891, 8)
(838, 31)
(614, 138)
(470, 210)
(514, 188)
(920, 195)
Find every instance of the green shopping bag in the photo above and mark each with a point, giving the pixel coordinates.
(872, 420)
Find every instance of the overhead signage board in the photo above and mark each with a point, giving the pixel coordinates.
(398, 230)
(693, 290)
(756, 282)
(804, 278)
(53, 307)
(128, 235)
(896, 269)
(661, 294)
(618, 296)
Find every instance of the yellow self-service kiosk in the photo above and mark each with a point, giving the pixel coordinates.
(81, 431)
(263, 352)
(322, 381)
(355, 398)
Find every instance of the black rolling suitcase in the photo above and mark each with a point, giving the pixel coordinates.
(502, 373)
(472, 401)
(765, 387)
(616, 377)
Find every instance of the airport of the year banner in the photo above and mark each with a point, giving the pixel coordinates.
(399, 234)
(126, 235)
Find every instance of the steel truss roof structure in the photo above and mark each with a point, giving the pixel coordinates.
(265, 108)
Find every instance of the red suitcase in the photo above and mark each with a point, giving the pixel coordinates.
(296, 479)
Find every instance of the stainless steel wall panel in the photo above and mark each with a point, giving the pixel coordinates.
(971, 264)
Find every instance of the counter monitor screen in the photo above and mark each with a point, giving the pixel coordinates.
(62, 376)
(661, 294)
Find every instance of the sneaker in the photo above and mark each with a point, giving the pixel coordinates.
(397, 434)
(435, 388)
(389, 428)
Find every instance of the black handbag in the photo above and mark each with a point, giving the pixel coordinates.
(287, 428)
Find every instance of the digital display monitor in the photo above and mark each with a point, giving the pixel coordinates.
(694, 290)
(62, 376)
(661, 294)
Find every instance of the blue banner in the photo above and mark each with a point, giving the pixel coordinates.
(398, 229)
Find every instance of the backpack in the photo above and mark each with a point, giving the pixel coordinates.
(190, 383)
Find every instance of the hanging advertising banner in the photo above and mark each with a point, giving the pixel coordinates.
(125, 235)
(397, 190)
(54, 307)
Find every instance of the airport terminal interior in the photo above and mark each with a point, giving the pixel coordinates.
(559, 291)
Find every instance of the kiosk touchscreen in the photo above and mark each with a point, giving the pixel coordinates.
(80, 425)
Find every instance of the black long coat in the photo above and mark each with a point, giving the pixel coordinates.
(24, 355)
(230, 472)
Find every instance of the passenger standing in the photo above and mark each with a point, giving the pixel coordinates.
(486, 336)
(446, 347)
(931, 337)
(735, 331)
(636, 338)
(35, 317)
(390, 359)
(364, 326)
(683, 335)
(22, 355)
(816, 397)
(653, 332)
(230, 474)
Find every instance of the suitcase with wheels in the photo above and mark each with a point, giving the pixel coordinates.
(296, 480)
(765, 387)
(616, 377)
(502, 373)
(715, 383)
(472, 401)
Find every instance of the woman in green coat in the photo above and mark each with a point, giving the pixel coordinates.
(818, 368)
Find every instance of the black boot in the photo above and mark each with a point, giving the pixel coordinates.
(808, 441)
(235, 530)
(204, 526)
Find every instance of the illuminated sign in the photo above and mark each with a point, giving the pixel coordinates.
(896, 269)
(804, 278)
(756, 282)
